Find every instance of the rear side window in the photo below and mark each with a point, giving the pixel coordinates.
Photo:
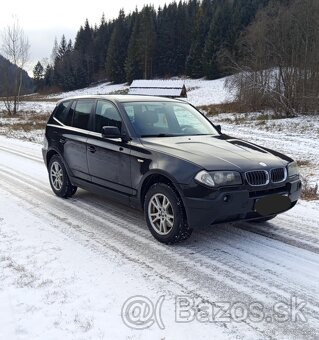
(81, 116)
(106, 115)
(63, 113)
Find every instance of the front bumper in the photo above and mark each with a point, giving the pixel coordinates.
(231, 205)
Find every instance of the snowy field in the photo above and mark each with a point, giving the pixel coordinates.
(199, 91)
(68, 267)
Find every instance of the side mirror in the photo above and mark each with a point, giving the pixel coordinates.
(218, 128)
(111, 132)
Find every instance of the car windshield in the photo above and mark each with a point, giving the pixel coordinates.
(167, 119)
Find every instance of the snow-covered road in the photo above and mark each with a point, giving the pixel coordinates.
(68, 266)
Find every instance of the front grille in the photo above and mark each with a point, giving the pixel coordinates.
(257, 177)
(278, 175)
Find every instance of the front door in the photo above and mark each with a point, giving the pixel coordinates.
(109, 158)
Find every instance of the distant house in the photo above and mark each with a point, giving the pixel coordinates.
(162, 88)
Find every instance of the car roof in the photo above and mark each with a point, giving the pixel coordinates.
(124, 98)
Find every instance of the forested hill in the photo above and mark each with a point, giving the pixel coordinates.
(196, 38)
(7, 75)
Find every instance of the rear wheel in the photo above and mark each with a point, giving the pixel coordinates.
(165, 215)
(59, 179)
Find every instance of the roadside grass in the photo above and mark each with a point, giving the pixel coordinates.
(26, 126)
(309, 191)
(118, 92)
(26, 121)
(216, 109)
(303, 163)
(37, 97)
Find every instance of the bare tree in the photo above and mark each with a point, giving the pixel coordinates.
(279, 68)
(15, 47)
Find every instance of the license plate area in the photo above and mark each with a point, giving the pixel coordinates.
(272, 204)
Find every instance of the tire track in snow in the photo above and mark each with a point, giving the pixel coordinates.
(205, 271)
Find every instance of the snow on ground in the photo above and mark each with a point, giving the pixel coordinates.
(40, 107)
(206, 92)
(104, 88)
(199, 91)
(68, 266)
(54, 288)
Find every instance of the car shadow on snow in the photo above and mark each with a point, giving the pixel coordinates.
(201, 237)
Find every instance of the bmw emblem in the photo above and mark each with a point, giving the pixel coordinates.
(262, 164)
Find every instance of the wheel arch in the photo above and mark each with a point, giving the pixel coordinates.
(49, 156)
(158, 176)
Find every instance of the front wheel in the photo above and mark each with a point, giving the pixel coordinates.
(59, 179)
(165, 215)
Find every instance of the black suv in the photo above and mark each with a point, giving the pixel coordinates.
(165, 157)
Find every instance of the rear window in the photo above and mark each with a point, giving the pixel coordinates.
(63, 113)
(82, 113)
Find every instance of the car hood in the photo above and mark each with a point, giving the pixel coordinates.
(217, 153)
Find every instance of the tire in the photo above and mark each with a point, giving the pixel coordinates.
(263, 219)
(74, 189)
(164, 214)
(59, 179)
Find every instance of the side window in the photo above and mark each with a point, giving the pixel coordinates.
(81, 116)
(63, 114)
(106, 115)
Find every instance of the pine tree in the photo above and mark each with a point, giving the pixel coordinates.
(132, 62)
(100, 45)
(49, 76)
(62, 48)
(38, 75)
(197, 37)
(147, 40)
(117, 50)
(38, 71)
(194, 67)
(165, 49)
(84, 45)
(54, 52)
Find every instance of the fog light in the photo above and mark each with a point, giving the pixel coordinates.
(226, 198)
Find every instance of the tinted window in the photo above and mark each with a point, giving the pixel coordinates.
(82, 113)
(62, 113)
(106, 115)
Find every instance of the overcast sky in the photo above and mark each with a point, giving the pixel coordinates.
(43, 20)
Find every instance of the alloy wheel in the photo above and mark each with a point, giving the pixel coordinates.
(56, 176)
(160, 213)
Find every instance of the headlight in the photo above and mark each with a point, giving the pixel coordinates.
(218, 178)
(293, 169)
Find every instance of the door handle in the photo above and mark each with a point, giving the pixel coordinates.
(92, 149)
(62, 140)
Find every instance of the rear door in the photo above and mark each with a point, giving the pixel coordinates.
(109, 158)
(75, 138)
